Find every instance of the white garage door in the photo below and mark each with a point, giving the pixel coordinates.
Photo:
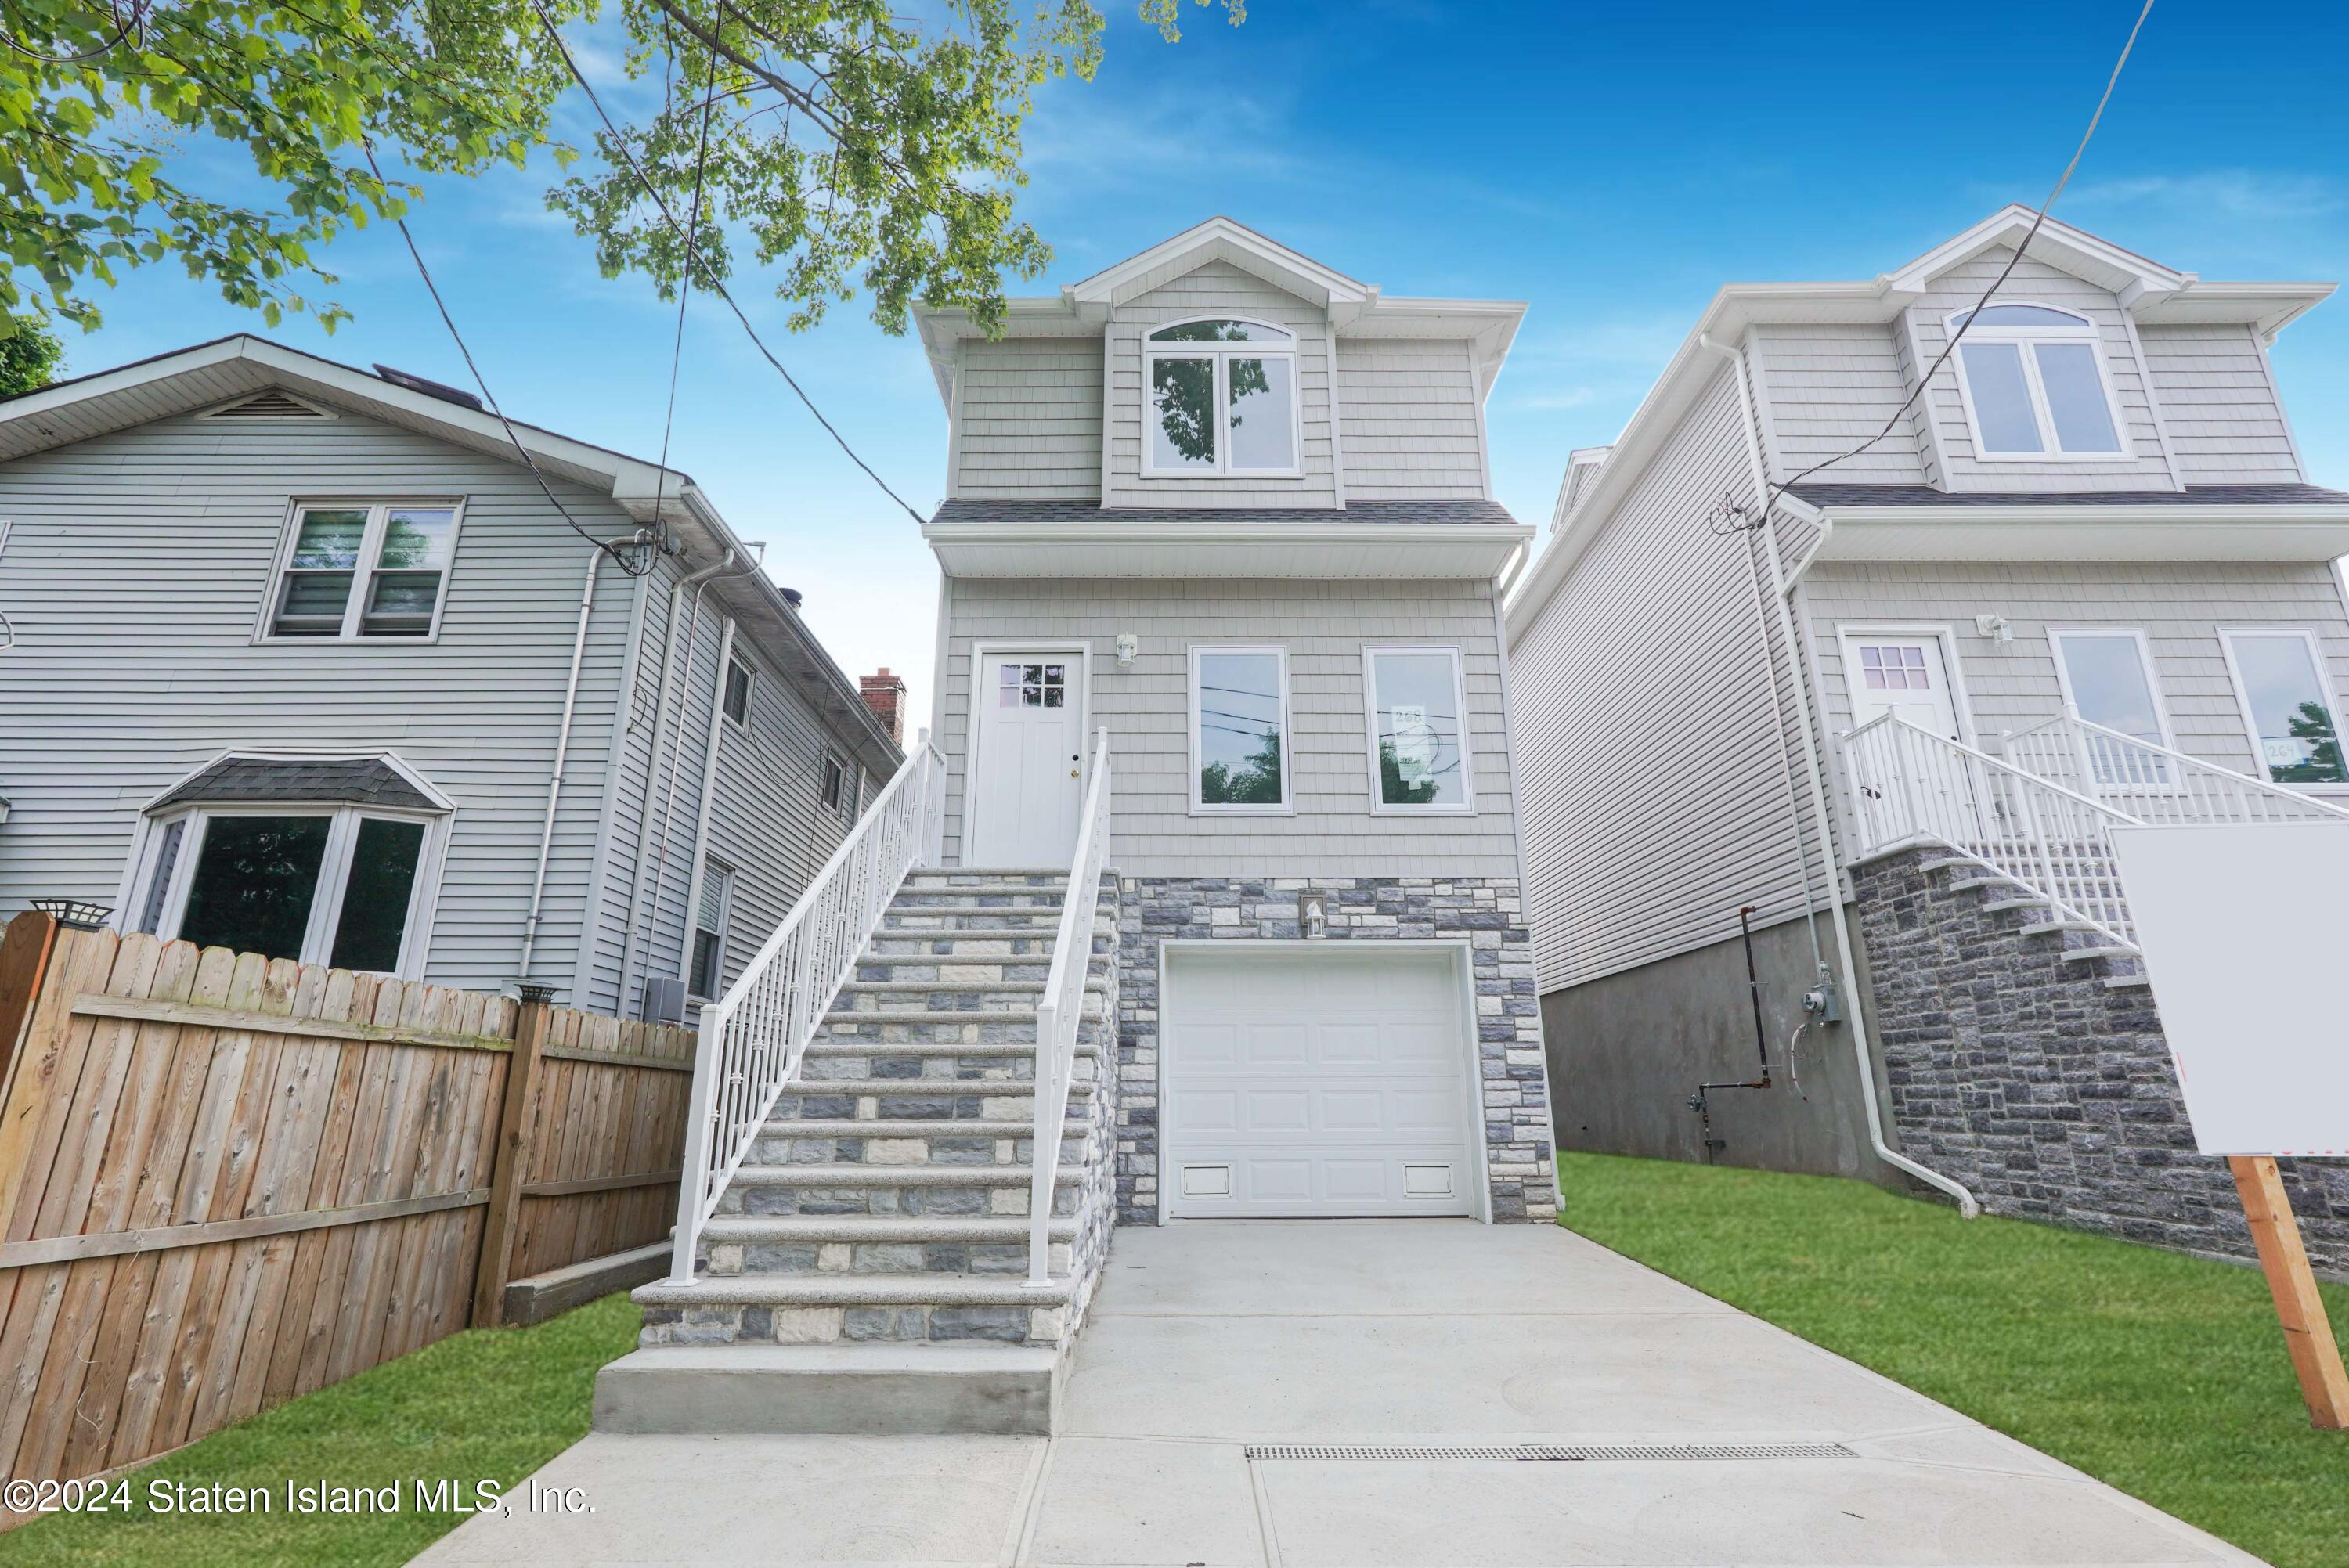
(1324, 1082)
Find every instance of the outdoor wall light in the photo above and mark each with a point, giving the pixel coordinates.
(1128, 645)
(73, 913)
(1995, 627)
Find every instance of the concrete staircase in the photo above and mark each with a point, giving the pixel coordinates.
(866, 1270)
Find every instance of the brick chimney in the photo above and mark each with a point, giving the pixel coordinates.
(885, 694)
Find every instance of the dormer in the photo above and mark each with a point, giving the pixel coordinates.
(1220, 370)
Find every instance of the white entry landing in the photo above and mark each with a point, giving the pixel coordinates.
(1225, 1359)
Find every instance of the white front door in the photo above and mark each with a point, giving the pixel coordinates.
(1325, 1081)
(1027, 777)
(1902, 675)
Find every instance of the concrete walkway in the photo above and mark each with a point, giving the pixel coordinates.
(1433, 1334)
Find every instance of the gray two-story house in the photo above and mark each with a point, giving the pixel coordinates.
(313, 662)
(1866, 750)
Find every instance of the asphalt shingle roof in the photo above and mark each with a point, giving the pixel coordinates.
(2192, 495)
(360, 780)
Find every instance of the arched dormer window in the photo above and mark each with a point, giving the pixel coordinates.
(2033, 378)
(1223, 399)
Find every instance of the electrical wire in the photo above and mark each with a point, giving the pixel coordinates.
(684, 282)
(1770, 501)
(619, 145)
(621, 557)
(122, 26)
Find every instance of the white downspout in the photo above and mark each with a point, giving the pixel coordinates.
(562, 750)
(1858, 1020)
(652, 761)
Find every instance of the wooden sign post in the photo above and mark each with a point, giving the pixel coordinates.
(2307, 1334)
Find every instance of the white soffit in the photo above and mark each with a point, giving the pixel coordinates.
(1249, 547)
(2083, 533)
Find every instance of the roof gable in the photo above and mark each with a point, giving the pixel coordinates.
(2130, 276)
(1219, 239)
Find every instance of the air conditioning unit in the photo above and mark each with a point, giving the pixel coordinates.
(663, 999)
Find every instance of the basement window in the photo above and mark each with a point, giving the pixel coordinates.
(363, 570)
(1223, 399)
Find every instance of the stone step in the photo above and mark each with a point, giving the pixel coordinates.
(880, 1099)
(2090, 955)
(881, 990)
(838, 1142)
(921, 1044)
(1006, 1016)
(931, 899)
(960, 946)
(833, 1308)
(2139, 981)
(896, 920)
(877, 1129)
(868, 1389)
(746, 1244)
(1001, 1191)
(1057, 876)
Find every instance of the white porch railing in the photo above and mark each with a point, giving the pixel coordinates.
(753, 1036)
(2154, 783)
(1911, 786)
(1061, 1010)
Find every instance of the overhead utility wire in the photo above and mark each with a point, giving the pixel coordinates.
(684, 282)
(620, 145)
(122, 26)
(619, 556)
(1770, 501)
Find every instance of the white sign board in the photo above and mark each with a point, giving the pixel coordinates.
(2246, 938)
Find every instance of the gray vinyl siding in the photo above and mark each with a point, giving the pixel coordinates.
(1651, 759)
(1960, 288)
(1826, 389)
(1410, 421)
(2219, 397)
(135, 573)
(1218, 288)
(2179, 606)
(1028, 418)
(1324, 626)
(768, 820)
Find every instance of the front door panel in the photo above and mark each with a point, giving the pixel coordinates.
(1028, 781)
(1905, 676)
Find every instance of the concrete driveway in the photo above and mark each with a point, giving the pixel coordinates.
(1232, 1372)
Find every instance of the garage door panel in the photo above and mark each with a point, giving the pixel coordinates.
(1317, 1083)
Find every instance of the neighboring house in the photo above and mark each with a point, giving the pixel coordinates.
(305, 661)
(1218, 539)
(2087, 557)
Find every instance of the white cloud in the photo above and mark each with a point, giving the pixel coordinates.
(2240, 194)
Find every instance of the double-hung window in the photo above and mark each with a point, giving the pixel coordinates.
(2107, 673)
(1222, 399)
(706, 974)
(737, 700)
(1239, 729)
(357, 569)
(236, 857)
(2288, 704)
(2033, 383)
(1418, 730)
(835, 781)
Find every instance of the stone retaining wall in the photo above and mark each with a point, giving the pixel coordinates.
(2049, 1094)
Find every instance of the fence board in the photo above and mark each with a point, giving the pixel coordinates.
(226, 1181)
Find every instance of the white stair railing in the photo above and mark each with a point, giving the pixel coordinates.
(2154, 783)
(1911, 786)
(1061, 1010)
(753, 1038)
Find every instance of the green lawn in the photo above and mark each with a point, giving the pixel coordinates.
(492, 1404)
(2162, 1374)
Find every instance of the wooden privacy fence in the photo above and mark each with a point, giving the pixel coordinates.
(227, 1180)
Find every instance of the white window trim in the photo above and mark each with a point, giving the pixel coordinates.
(712, 866)
(2087, 332)
(1220, 352)
(832, 758)
(1379, 808)
(2145, 662)
(2324, 684)
(333, 870)
(380, 508)
(1288, 805)
(749, 691)
(1848, 651)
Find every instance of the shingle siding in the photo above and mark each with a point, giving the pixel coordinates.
(2226, 422)
(1409, 419)
(1827, 388)
(1324, 626)
(1028, 419)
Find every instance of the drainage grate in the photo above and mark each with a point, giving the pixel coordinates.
(1550, 1451)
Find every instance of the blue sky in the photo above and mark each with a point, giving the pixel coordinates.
(1609, 165)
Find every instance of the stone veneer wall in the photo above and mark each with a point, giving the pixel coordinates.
(1487, 911)
(2050, 1095)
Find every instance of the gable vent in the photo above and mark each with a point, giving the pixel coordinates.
(269, 404)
